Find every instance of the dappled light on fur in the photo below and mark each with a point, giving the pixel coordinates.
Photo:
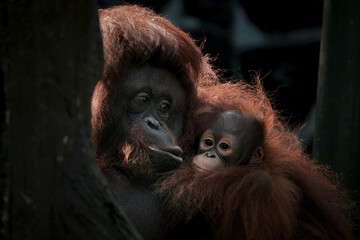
(126, 149)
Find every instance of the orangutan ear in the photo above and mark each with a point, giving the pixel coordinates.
(257, 156)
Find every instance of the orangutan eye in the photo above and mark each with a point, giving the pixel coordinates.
(208, 142)
(164, 106)
(224, 146)
(164, 109)
(142, 97)
(140, 101)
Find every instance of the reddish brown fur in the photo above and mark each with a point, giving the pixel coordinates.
(287, 196)
(135, 36)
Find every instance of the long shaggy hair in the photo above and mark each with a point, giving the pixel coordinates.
(134, 36)
(287, 196)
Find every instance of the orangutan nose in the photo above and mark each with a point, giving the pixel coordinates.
(210, 154)
(152, 123)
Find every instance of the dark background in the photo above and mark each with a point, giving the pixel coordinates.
(279, 40)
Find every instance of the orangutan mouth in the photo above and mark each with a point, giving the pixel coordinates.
(173, 152)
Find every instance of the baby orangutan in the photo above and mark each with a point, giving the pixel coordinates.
(245, 176)
(235, 138)
(231, 146)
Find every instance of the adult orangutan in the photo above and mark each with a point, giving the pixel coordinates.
(285, 195)
(141, 105)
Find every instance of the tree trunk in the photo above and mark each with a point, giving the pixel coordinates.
(337, 129)
(337, 136)
(51, 59)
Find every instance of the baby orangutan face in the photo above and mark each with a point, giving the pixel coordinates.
(235, 138)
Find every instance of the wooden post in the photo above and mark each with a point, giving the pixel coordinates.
(51, 59)
(337, 129)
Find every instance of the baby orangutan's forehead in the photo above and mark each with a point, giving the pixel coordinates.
(232, 121)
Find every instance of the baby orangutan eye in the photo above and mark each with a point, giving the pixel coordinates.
(224, 146)
(208, 142)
